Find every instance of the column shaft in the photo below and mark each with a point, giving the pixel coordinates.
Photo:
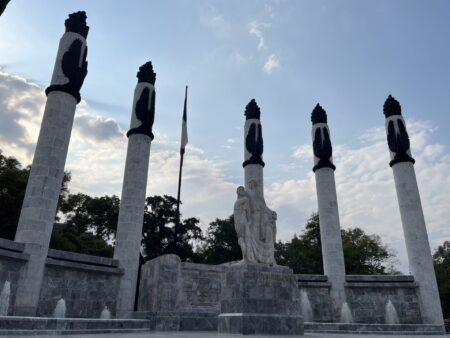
(330, 229)
(47, 170)
(330, 235)
(132, 204)
(41, 196)
(413, 221)
(417, 244)
(131, 216)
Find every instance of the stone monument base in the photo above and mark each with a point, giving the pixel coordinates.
(260, 299)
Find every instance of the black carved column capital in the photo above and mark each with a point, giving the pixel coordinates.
(252, 110)
(254, 143)
(144, 102)
(397, 136)
(3, 4)
(322, 148)
(72, 64)
(76, 23)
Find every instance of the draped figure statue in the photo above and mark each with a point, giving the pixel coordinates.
(255, 225)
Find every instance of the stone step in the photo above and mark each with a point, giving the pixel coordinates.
(359, 328)
(67, 332)
(43, 325)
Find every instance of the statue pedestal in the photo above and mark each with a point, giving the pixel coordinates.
(260, 299)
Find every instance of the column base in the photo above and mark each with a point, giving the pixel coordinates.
(260, 299)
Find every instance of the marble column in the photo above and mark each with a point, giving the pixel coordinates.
(131, 213)
(260, 237)
(47, 170)
(253, 150)
(413, 221)
(330, 230)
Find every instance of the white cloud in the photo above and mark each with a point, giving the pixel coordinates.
(271, 64)
(97, 152)
(213, 19)
(256, 28)
(365, 185)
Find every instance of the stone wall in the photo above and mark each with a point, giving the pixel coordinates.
(201, 285)
(86, 283)
(193, 290)
(367, 297)
(12, 260)
(317, 288)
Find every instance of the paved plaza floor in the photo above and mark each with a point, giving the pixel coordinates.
(215, 335)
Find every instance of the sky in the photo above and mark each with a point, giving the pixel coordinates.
(349, 55)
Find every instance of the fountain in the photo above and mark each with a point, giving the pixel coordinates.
(106, 314)
(391, 316)
(346, 314)
(306, 306)
(60, 309)
(4, 298)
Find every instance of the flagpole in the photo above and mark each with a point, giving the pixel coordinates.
(182, 145)
(177, 223)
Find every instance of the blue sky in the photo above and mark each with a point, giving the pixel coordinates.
(289, 55)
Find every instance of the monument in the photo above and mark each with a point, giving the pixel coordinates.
(411, 213)
(132, 205)
(251, 296)
(47, 170)
(330, 229)
(258, 297)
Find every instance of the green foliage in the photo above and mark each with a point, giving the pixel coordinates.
(90, 225)
(303, 254)
(97, 215)
(13, 181)
(221, 243)
(363, 254)
(68, 240)
(160, 218)
(441, 258)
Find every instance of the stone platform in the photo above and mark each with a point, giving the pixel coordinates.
(364, 329)
(259, 299)
(10, 326)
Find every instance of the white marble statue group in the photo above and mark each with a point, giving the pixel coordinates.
(255, 225)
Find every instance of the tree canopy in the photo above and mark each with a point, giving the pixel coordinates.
(160, 218)
(363, 253)
(221, 243)
(441, 258)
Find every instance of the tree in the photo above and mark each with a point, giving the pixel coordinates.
(13, 183)
(97, 215)
(441, 258)
(303, 253)
(363, 254)
(90, 225)
(87, 243)
(158, 230)
(221, 243)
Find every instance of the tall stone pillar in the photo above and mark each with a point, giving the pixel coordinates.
(330, 230)
(131, 213)
(253, 150)
(47, 170)
(413, 221)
